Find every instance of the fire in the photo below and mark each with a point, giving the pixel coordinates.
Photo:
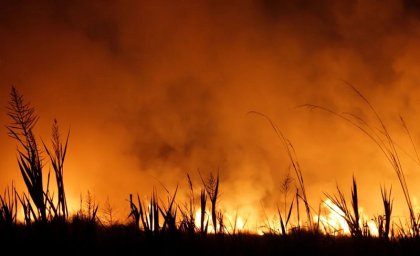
(333, 221)
(233, 223)
(330, 221)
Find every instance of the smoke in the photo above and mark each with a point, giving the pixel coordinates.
(152, 90)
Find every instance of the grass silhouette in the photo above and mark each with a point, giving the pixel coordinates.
(172, 227)
(352, 219)
(382, 138)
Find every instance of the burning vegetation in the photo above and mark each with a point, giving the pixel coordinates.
(42, 210)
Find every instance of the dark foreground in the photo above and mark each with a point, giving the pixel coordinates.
(69, 239)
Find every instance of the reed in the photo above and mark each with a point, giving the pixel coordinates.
(88, 211)
(291, 153)
(57, 156)
(148, 214)
(161, 219)
(284, 219)
(187, 213)
(204, 224)
(382, 138)
(8, 207)
(169, 214)
(352, 218)
(211, 187)
(135, 211)
(23, 120)
(383, 222)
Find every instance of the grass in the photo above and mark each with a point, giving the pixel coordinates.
(211, 187)
(172, 227)
(8, 208)
(384, 221)
(29, 160)
(291, 153)
(385, 143)
(285, 217)
(57, 156)
(351, 216)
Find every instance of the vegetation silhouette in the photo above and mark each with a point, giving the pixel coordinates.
(173, 227)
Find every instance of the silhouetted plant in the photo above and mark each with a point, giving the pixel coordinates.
(147, 214)
(383, 222)
(204, 224)
(291, 153)
(135, 212)
(30, 163)
(108, 214)
(152, 219)
(382, 138)
(220, 219)
(233, 226)
(8, 207)
(88, 211)
(285, 220)
(188, 211)
(24, 119)
(352, 219)
(28, 211)
(57, 156)
(285, 186)
(169, 214)
(211, 187)
(297, 209)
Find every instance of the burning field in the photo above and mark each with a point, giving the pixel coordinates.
(224, 127)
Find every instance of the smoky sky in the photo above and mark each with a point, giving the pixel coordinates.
(153, 90)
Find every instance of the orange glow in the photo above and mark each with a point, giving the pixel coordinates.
(153, 91)
(333, 222)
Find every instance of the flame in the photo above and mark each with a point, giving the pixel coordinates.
(234, 223)
(333, 221)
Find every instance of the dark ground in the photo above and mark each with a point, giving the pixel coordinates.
(76, 239)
